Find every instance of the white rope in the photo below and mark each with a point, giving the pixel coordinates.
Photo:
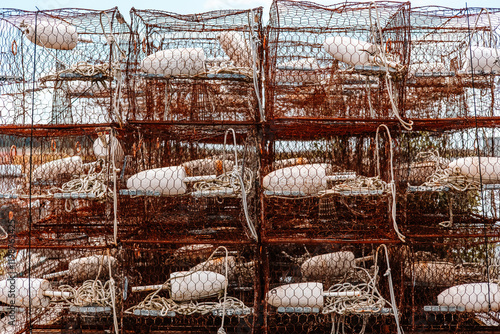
(112, 290)
(392, 184)
(5, 234)
(164, 305)
(81, 68)
(254, 42)
(406, 125)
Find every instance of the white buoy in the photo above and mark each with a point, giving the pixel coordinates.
(308, 294)
(207, 166)
(218, 265)
(349, 50)
(490, 168)
(107, 147)
(86, 268)
(26, 292)
(483, 59)
(236, 47)
(475, 297)
(175, 62)
(431, 272)
(307, 179)
(54, 34)
(53, 169)
(187, 285)
(167, 180)
(331, 264)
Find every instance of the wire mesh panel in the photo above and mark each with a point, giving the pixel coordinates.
(327, 287)
(336, 61)
(62, 66)
(451, 285)
(190, 286)
(198, 67)
(191, 182)
(329, 187)
(70, 288)
(452, 70)
(452, 181)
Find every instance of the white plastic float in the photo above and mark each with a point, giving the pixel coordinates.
(106, 147)
(490, 168)
(308, 294)
(26, 292)
(431, 272)
(483, 59)
(86, 268)
(331, 264)
(352, 51)
(473, 297)
(187, 285)
(52, 169)
(167, 180)
(236, 47)
(175, 62)
(307, 179)
(52, 33)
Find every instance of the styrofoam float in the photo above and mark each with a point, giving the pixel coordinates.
(473, 296)
(54, 34)
(308, 294)
(331, 264)
(352, 51)
(52, 169)
(490, 168)
(187, 285)
(307, 179)
(431, 272)
(107, 147)
(86, 268)
(218, 265)
(26, 292)
(483, 59)
(236, 47)
(175, 62)
(167, 180)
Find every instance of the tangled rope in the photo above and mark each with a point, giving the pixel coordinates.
(90, 293)
(227, 184)
(358, 184)
(452, 178)
(84, 69)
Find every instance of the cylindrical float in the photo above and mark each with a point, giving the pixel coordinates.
(483, 59)
(236, 47)
(175, 62)
(53, 169)
(307, 179)
(107, 147)
(27, 292)
(475, 297)
(308, 294)
(218, 265)
(87, 268)
(54, 34)
(331, 264)
(431, 272)
(489, 172)
(349, 50)
(167, 180)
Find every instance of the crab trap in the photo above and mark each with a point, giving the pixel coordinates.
(196, 68)
(63, 66)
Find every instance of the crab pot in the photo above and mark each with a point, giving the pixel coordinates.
(317, 70)
(446, 279)
(309, 187)
(191, 183)
(190, 282)
(199, 67)
(296, 300)
(443, 69)
(52, 47)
